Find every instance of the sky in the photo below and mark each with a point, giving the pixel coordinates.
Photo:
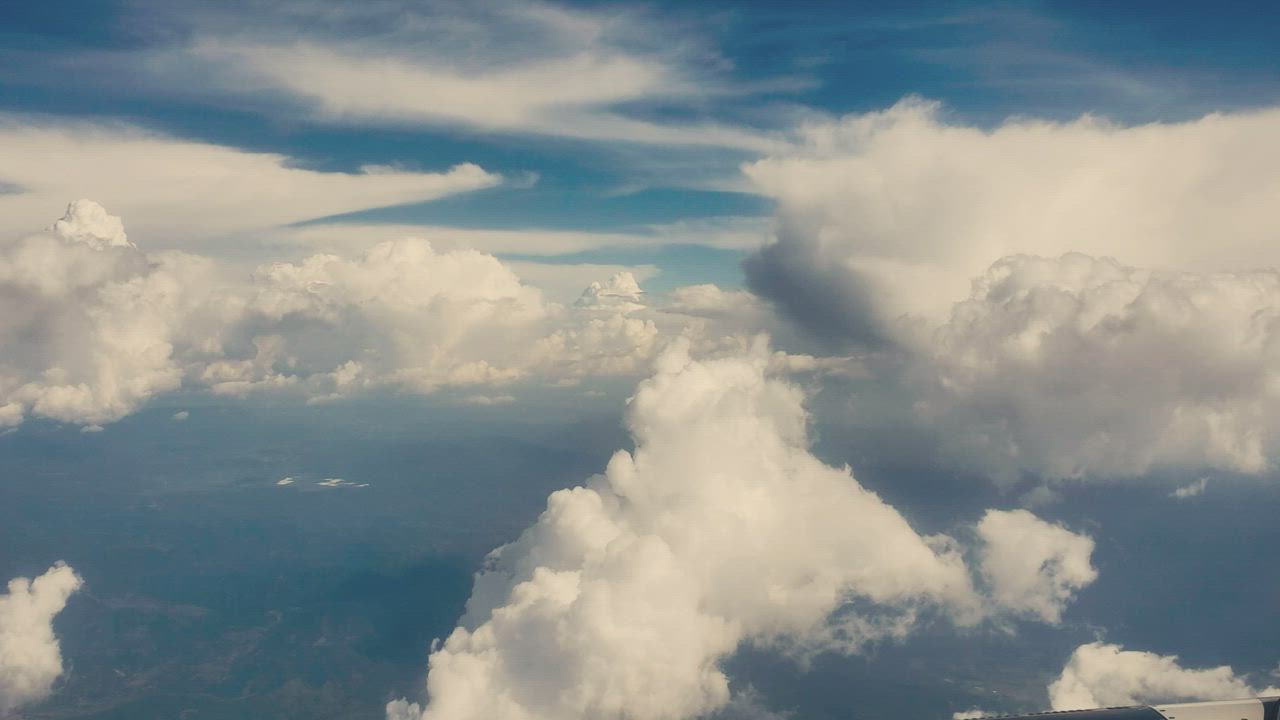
(588, 361)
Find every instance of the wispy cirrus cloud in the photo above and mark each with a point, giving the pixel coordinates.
(190, 191)
(500, 67)
(737, 233)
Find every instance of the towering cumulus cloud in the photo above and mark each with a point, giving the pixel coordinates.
(90, 322)
(1032, 272)
(1077, 365)
(1102, 675)
(721, 527)
(403, 313)
(30, 659)
(892, 213)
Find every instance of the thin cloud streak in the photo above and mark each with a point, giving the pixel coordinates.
(186, 192)
(507, 68)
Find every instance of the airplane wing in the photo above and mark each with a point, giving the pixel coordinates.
(1266, 708)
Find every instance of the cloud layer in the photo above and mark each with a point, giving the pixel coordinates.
(1103, 675)
(179, 193)
(30, 659)
(95, 326)
(720, 528)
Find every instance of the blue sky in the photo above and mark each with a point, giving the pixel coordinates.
(773, 64)
(806, 360)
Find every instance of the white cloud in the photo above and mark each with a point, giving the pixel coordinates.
(345, 238)
(510, 67)
(719, 528)
(285, 481)
(739, 233)
(748, 704)
(30, 659)
(1078, 366)
(722, 317)
(1033, 568)
(563, 283)
(339, 483)
(892, 213)
(1039, 496)
(1190, 490)
(403, 312)
(353, 84)
(620, 291)
(179, 193)
(488, 400)
(1056, 360)
(90, 224)
(93, 327)
(737, 308)
(973, 714)
(409, 316)
(181, 415)
(1104, 675)
(89, 327)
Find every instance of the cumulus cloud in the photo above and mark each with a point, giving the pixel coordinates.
(93, 326)
(1190, 490)
(718, 529)
(564, 283)
(30, 659)
(1102, 675)
(721, 319)
(1076, 299)
(620, 290)
(973, 714)
(1076, 365)
(1033, 568)
(892, 213)
(402, 313)
(737, 311)
(89, 321)
(180, 193)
